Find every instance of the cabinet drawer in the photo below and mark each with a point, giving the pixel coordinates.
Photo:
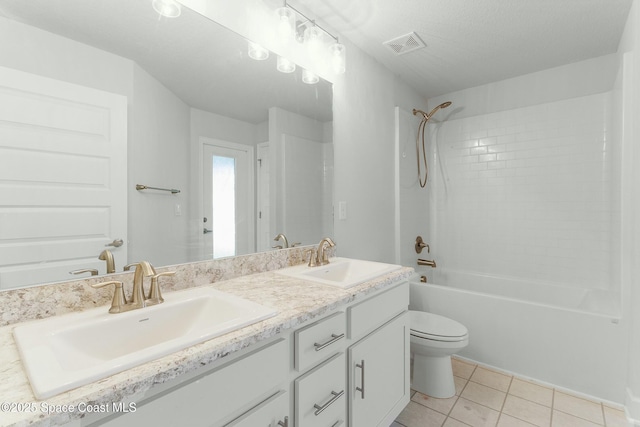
(217, 396)
(321, 395)
(373, 312)
(319, 340)
(269, 413)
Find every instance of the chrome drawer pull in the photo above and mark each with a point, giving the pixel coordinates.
(337, 423)
(361, 389)
(285, 423)
(335, 397)
(333, 339)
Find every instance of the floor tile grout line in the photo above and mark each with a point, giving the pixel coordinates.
(504, 401)
(553, 405)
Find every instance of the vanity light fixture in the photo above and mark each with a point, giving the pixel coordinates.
(285, 66)
(167, 8)
(294, 24)
(309, 77)
(257, 52)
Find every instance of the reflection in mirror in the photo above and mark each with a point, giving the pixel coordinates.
(98, 97)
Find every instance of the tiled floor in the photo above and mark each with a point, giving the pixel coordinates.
(489, 398)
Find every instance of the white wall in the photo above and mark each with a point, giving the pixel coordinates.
(304, 202)
(158, 156)
(629, 57)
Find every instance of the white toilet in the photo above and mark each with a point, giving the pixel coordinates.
(434, 339)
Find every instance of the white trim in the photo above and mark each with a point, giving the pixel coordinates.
(632, 407)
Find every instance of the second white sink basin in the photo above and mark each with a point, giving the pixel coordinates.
(64, 352)
(340, 272)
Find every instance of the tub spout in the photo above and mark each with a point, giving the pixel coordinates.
(427, 262)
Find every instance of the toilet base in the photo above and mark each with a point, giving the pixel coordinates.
(433, 376)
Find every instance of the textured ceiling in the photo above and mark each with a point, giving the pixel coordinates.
(468, 43)
(474, 42)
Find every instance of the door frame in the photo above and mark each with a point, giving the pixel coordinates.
(251, 222)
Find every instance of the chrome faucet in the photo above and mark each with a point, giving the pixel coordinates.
(322, 256)
(107, 256)
(285, 242)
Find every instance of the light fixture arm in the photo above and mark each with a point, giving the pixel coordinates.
(307, 19)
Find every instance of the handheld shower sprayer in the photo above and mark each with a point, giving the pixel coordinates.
(420, 136)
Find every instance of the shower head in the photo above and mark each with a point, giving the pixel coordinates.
(432, 112)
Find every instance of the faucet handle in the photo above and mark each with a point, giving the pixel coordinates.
(313, 257)
(118, 302)
(155, 296)
(93, 271)
(295, 244)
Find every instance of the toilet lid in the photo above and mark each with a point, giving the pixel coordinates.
(434, 326)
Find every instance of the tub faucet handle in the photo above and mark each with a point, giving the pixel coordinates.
(420, 244)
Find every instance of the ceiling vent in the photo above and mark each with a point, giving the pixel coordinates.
(405, 44)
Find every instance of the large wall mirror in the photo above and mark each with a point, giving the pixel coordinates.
(248, 148)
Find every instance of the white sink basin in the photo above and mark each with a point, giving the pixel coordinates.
(341, 272)
(64, 352)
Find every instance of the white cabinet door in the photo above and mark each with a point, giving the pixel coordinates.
(378, 373)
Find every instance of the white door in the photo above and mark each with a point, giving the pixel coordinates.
(228, 199)
(62, 178)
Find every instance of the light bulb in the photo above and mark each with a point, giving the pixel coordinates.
(257, 52)
(338, 58)
(168, 8)
(309, 78)
(285, 66)
(286, 22)
(313, 40)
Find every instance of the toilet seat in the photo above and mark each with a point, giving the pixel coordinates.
(435, 327)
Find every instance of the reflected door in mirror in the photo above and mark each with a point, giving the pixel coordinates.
(63, 173)
(227, 183)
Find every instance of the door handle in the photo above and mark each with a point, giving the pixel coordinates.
(116, 243)
(206, 230)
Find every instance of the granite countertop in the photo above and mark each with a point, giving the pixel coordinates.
(295, 300)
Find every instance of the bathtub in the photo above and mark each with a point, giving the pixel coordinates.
(566, 337)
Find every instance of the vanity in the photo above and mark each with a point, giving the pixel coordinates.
(329, 357)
